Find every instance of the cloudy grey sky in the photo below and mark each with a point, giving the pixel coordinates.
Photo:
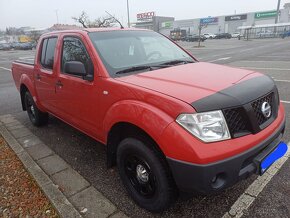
(42, 13)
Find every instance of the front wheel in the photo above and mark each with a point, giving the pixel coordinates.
(37, 117)
(145, 175)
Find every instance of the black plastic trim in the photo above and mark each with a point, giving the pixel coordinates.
(236, 95)
(198, 178)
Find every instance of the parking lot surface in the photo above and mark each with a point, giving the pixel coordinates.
(270, 56)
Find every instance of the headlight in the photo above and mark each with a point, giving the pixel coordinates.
(208, 126)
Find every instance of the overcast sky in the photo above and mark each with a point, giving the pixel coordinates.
(42, 13)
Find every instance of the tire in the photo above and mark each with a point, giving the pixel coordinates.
(152, 189)
(37, 117)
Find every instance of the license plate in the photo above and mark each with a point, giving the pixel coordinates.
(271, 158)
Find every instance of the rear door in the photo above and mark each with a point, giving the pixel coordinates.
(77, 99)
(45, 75)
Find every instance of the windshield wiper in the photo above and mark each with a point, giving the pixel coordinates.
(174, 62)
(137, 68)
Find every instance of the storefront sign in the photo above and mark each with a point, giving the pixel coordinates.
(236, 17)
(209, 20)
(145, 16)
(167, 25)
(265, 14)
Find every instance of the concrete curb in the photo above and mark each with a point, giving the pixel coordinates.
(67, 190)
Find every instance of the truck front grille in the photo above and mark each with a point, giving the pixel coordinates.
(237, 121)
(257, 105)
(249, 118)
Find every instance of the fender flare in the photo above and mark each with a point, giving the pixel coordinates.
(29, 84)
(150, 119)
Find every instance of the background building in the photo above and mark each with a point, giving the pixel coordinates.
(218, 24)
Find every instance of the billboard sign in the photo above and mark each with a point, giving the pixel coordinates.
(145, 16)
(265, 14)
(209, 20)
(236, 17)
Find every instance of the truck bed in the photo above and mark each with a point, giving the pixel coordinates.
(25, 61)
(22, 69)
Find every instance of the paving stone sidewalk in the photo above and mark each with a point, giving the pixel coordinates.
(68, 191)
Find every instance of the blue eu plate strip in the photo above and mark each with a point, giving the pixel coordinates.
(274, 156)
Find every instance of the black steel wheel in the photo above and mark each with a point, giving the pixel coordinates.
(37, 117)
(145, 175)
(140, 175)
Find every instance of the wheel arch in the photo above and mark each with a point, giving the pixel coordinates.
(23, 90)
(122, 130)
(26, 84)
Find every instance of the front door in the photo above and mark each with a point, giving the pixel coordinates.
(77, 100)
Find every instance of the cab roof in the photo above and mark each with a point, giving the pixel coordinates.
(90, 30)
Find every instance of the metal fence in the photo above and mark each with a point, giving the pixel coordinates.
(265, 31)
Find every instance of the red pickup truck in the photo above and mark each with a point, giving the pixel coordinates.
(170, 123)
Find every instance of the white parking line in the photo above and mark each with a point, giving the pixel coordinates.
(251, 193)
(248, 49)
(264, 68)
(282, 80)
(28, 57)
(220, 59)
(4, 68)
(285, 102)
(253, 61)
(272, 56)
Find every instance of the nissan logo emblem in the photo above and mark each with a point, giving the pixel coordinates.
(266, 109)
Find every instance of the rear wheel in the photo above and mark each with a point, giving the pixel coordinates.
(145, 175)
(37, 117)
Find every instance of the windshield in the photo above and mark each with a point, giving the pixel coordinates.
(123, 50)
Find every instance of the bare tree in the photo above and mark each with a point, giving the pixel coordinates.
(84, 20)
(35, 35)
(14, 31)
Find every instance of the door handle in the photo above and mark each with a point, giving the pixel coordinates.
(38, 77)
(59, 84)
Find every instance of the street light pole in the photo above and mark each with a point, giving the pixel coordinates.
(128, 13)
(278, 10)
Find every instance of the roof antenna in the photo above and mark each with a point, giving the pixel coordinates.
(115, 19)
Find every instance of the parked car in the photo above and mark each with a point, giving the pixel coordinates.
(15, 45)
(265, 34)
(209, 35)
(236, 35)
(5, 46)
(170, 123)
(26, 46)
(285, 34)
(195, 38)
(22, 45)
(223, 36)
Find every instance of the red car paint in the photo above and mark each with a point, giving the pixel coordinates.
(151, 101)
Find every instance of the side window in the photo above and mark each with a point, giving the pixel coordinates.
(47, 52)
(74, 50)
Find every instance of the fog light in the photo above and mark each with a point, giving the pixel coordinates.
(214, 179)
(218, 181)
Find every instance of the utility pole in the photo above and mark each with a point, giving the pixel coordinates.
(56, 16)
(277, 15)
(278, 10)
(128, 13)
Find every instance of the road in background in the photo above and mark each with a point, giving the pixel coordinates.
(271, 56)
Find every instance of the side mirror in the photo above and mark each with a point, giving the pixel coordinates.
(75, 68)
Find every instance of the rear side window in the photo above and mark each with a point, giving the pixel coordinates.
(47, 52)
(44, 44)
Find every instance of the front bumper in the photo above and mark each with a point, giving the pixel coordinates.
(214, 177)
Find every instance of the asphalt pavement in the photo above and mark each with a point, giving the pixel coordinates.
(86, 156)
